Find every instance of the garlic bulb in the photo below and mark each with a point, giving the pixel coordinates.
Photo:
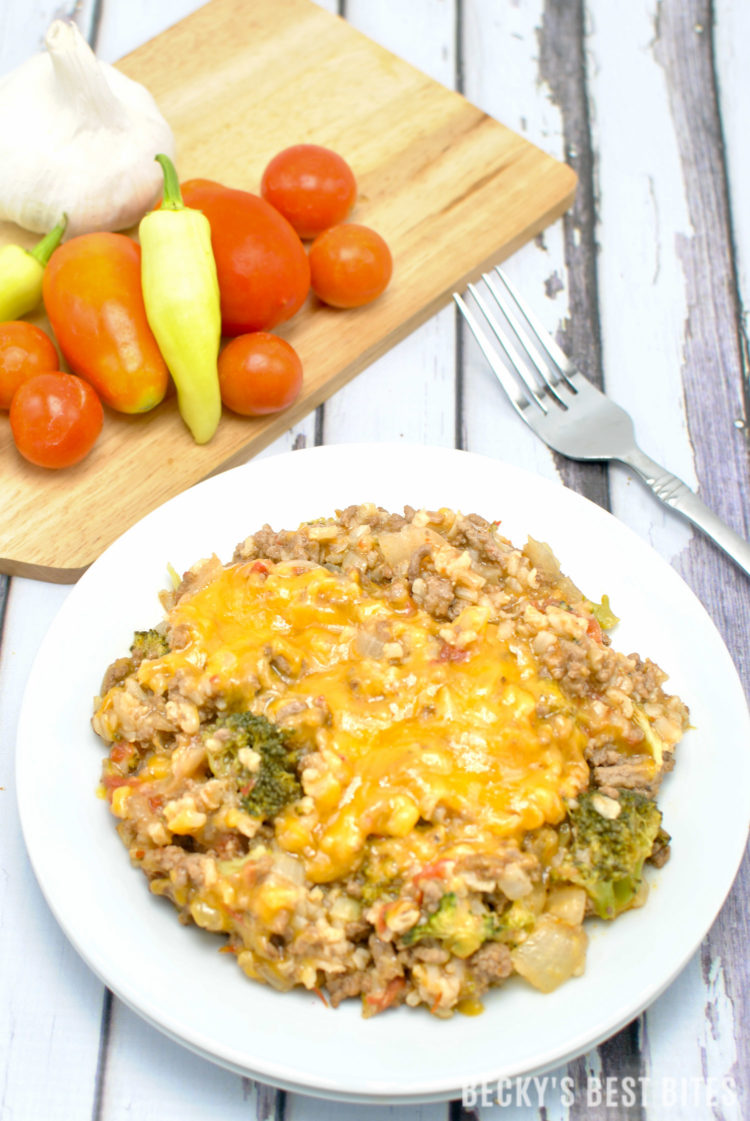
(78, 137)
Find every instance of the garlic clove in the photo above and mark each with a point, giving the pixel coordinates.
(79, 137)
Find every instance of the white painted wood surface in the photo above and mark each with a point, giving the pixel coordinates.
(647, 281)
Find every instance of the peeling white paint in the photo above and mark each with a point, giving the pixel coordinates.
(642, 210)
(501, 51)
(731, 30)
(688, 1072)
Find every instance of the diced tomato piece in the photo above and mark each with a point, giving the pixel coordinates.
(111, 781)
(434, 871)
(120, 752)
(595, 631)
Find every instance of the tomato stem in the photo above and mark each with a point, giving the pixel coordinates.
(172, 198)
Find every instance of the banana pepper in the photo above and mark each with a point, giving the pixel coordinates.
(181, 295)
(22, 271)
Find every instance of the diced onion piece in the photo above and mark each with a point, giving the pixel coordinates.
(568, 903)
(553, 952)
(290, 867)
(545, 561)
(514, 882)
(368, 645)
(398, 547)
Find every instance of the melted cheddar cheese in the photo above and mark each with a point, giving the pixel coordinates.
(409, 720)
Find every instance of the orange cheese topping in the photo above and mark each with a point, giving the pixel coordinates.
(411, 720)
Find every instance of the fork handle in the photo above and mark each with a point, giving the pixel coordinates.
(676, 494)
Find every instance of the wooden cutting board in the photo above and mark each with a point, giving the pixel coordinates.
(452, 190)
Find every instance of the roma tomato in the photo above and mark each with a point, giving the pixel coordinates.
(93, 298)
(25, 350)
(55, 419)
(350, 265)
(313, 187)
(259, 373)
(263, 272)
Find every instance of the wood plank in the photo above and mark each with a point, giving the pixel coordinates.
(564, 67)
(714, 370)
(642, 305)
(488, 424)
(451, 189)
(729, 32)
(119, 29)
(300, 1108)
(50, 1002)
(135, 1085)
(23, 27)
(409, 393)
(727, 946)
(688, 1042)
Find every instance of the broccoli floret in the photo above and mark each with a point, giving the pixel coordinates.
(605, 855)
(148, 644)
(512, 924)
(455, 925)
(233, 744)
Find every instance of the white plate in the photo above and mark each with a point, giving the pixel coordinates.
(174, 976)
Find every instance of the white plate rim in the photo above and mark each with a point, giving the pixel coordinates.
(348, 465)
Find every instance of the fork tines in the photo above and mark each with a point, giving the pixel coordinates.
(526, 349)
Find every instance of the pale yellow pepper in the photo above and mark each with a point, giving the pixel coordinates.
(181, 294)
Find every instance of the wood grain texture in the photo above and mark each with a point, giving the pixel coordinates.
(499, 56)
(451, 189)
(715, 395)
(53, 1023)
(563, 65)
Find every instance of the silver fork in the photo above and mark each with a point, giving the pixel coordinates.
(563, 407)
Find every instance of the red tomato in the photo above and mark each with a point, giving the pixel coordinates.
(259, 373)
(313, 187)
(261, 264)
(25, 350)
(350, 265)
(55, 419)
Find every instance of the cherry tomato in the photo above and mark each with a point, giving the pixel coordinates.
(55, 419)
(313, 187)
(259, 373)
(350, 265)
(25, 350)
